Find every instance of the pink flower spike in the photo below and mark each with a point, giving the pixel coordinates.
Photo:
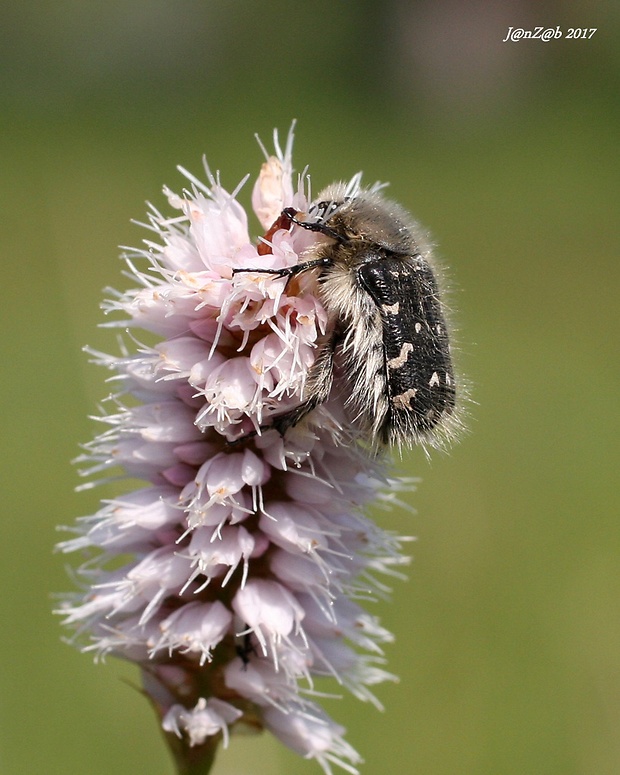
(234, 574)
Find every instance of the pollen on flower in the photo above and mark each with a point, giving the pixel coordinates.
(232, 577)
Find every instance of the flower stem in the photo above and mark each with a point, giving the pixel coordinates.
(197, 760)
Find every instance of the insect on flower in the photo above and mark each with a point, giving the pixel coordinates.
(386, 324)
(233, 577)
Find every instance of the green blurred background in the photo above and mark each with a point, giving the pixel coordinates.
(508, 630)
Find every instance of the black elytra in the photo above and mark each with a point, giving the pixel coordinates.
(400, 368)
